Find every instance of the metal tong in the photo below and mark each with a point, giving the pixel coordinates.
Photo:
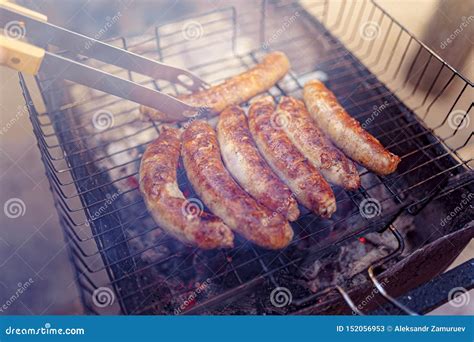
(32, 58)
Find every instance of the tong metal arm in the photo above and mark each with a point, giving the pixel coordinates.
(31, 58)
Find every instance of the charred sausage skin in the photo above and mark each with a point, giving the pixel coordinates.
(247, 166)
(166, 203)
(345, 131)
(335, 167)
(307, 184)
(234, 90)
(223, 196)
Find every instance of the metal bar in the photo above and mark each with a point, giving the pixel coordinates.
(384, 293)
(424, 45)
(437, 291)
(45, 33)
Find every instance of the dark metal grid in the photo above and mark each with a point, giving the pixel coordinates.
(76, 180)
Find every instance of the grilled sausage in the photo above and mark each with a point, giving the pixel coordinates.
(346, 132)
(247, 166)
(234, 90)
(289, 164)
(223, 196)
(166, 202)
(335, 167)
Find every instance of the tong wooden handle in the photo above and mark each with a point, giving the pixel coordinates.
(20, 55)
(23, 10)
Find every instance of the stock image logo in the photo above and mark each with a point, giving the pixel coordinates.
(14, 29)
(280, 120)
(463, 26)
(14, 208)
(377, 110)
(462, 205)
(110, 199)
(458, 119)
(192, 207)
(191, 298)
(102, 120)
(287, 22)
(458, 297)
(280, 297)
(20, 290)
(108, 24)
(370, 208)
(192, 30)
(102, 297)
(370, 30)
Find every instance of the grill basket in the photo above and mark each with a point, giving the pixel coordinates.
(416, 104)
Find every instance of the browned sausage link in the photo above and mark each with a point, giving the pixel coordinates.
(223, 196)
(166, 202)
(345, 131)
(289, 164)
(335, 167)
(247, 166)
(234, 90)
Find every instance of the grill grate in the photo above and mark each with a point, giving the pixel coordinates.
(91, 144)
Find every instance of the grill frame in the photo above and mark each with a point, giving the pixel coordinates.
(50, 126)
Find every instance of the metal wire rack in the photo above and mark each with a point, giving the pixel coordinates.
(92, 165)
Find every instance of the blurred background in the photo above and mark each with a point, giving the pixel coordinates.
(32, 247)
